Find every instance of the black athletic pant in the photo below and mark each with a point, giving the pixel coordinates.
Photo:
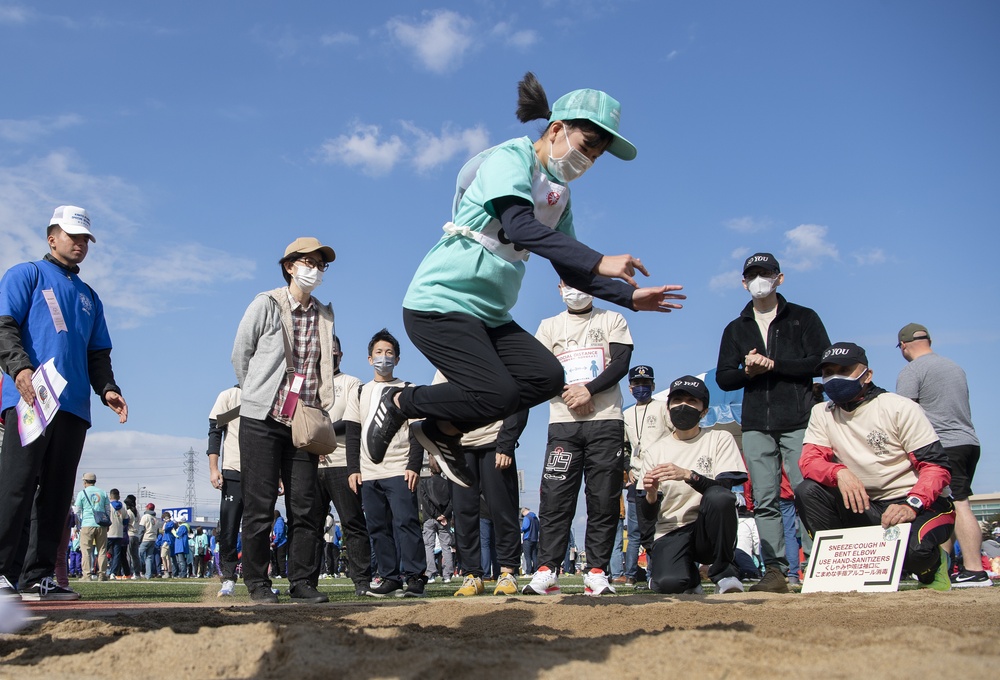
(267, 455)
(492, 372)
(710, 539)
(822, 507)
(589, 451)
(499, 489)
(230, 516)
(334, 487)
(36, 483)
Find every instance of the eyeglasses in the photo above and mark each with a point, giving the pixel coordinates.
(313, 264)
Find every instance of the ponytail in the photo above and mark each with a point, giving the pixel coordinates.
(532, 103)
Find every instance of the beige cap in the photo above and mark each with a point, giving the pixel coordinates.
(308, 244)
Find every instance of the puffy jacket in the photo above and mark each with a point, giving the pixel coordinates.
(780, 399)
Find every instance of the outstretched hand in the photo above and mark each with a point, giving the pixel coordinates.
(621, 267)
(656, 299)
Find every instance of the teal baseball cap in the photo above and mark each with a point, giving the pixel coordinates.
(599, 108)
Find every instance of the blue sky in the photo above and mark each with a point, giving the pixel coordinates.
(855, 140)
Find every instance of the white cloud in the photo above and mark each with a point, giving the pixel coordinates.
(672, 55)
(364, 149)
(21, 131)
(14, 14)
(340, 38)
(869, 257)
(376, 154)
(740, 253)
(747, 224)
(431, 150)
(807, 247)
(730, 280)
(520, 40)
(118, 267)
(281, 41)
(439, 43)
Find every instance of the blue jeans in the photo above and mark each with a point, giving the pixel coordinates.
(632, 551)
(790, 521)
(488, 549)
(617, 554)
(147, 549)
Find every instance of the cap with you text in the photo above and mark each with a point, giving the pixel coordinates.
(844, 354)
(762, 260)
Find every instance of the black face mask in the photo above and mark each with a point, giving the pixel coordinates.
(684, 417)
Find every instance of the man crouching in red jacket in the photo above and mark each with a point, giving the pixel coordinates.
(871, 457)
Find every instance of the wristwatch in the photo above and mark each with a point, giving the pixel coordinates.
(915, 503)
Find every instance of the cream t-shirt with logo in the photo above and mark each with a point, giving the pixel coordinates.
(230, 453)
(582, 343)
(710, 453)
(874, 441)
(361, 409)
(644, 424)
(343, 385)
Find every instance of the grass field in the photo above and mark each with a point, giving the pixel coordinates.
(198, 590)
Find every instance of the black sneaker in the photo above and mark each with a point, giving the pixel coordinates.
(385, 424)
(414, 587)
(386, 587)
(446, 450)
(971, 579)
(263, 595)
(361, 590)
(47, 590)
(305, 592)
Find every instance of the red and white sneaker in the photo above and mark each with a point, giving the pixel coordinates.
(595, 583)
(544, 582)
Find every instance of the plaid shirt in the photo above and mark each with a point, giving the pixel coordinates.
(305, 358)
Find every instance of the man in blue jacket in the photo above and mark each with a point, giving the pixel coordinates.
(48, 312)
(771, 351)
(529, 540)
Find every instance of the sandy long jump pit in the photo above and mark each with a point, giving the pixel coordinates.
(912, 634)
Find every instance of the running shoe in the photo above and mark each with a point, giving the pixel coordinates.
(386, 586)
(971, 579)
(264, 595)
(304, 591)
(445, 449)
(48, 590)
(544, 582)
(471, 586)
(7, 589)
(730, 584)
(227, 589)
(595, 583)
(773, 582)
(414, 587)
(506, 585)
(385, 424)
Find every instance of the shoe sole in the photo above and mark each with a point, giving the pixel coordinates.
(378, 420)
(435, 453)
(592, 593)
(67, 597)
(972, 584)
(527, 590)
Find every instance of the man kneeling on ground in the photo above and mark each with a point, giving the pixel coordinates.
(871, 457)
(688, 507)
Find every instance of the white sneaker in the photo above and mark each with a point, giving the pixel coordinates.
(7, 589)
(595, 583)
(432, 579)
(543, 582)
(730, 584)
(446, 579)
(697, 590)
(227, 589)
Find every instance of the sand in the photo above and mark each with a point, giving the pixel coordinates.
(912, 634)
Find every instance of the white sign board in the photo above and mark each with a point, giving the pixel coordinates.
(179, 515)
(863, 559)
(582, 365)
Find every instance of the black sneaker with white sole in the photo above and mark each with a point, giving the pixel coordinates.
(385, 424)
(386, 587)
(445, 449)
(971, 579)
(47, 590)
(414, 587)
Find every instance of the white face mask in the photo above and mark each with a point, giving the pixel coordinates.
(575, 299)
(307, 278)
(570, 165)
(761, 287)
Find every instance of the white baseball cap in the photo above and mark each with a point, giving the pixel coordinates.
(72, 220)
